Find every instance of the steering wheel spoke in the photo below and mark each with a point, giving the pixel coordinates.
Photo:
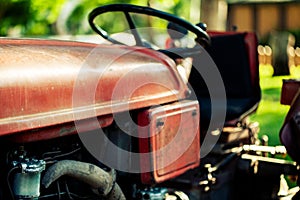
(138, 39)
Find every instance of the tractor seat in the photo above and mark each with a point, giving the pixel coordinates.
(235, 55)
(236, 110)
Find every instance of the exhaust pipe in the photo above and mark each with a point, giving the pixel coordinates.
(102, 182)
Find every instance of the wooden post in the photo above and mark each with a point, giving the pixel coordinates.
(214, 14)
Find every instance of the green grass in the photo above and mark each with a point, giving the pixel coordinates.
(270, 113)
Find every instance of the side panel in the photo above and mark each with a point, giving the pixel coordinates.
(169, 141)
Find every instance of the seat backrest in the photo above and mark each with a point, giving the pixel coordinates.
(235, 55)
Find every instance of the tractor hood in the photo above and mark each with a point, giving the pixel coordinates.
(49, 82)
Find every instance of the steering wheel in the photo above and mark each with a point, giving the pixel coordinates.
(202, 37)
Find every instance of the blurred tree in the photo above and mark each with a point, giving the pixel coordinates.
(280, 41)
(28, 17)
(44, 17)
(13, 14)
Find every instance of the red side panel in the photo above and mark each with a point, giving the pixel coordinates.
(170, 141)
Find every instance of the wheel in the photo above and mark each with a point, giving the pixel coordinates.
(178, 24)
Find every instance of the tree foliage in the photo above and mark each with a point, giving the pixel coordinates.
(41, 17)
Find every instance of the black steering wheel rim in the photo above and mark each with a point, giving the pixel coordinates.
(202, 37)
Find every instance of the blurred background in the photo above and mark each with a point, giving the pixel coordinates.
(69, 17)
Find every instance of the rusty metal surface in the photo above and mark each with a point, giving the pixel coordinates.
(60, 130)
(170, 134)
(45, 82)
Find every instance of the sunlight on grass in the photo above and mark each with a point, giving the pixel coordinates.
(270, 113)
(295, 71)
(265, 71)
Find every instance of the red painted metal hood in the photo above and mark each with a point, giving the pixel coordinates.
(49, 82)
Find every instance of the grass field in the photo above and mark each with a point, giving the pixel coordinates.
(271, 113)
